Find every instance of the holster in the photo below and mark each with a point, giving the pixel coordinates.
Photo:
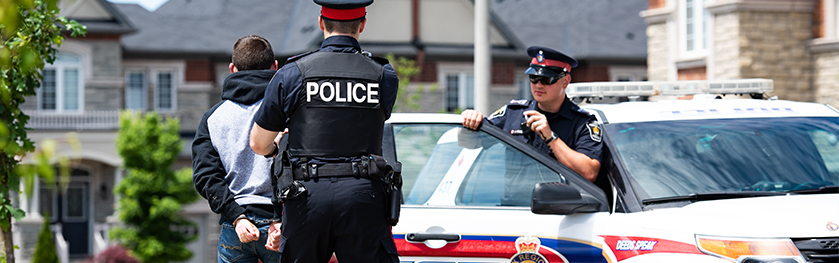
(282, 180)
(393, 190)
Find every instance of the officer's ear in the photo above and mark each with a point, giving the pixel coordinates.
(320, 23)
(233, 68)
(363, 23)
(275, 66)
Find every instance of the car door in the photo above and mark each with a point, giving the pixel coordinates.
(466, 198)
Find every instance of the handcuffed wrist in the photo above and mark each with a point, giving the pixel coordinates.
(240, 217)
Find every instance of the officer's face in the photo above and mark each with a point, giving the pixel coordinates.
(547, 93)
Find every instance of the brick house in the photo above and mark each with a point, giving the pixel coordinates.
(793, 42)
(174, 60)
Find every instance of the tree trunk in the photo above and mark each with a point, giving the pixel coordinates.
(6, 242)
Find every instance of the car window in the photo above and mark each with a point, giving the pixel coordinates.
(445, 165)
(679, 158)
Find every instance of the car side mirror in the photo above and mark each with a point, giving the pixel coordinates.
(561, 199)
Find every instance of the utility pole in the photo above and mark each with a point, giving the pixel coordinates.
(483, 57)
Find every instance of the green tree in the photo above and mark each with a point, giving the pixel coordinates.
(406, 69)
(151, 194)
(29, 32)
(45, 250)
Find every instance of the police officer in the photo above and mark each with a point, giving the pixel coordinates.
(551, 122)
(334, 102)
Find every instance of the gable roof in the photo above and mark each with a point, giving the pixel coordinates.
(99, 16)
(207, 27)
(590, 30)
(610, 30)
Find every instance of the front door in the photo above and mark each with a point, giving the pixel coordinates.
(70, 208)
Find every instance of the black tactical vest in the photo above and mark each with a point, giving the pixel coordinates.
(339, 113)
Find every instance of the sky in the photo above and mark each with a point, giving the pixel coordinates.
(151, 5)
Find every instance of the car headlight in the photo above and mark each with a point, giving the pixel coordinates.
(746, 250)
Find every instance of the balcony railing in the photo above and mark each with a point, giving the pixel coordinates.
(87, 120)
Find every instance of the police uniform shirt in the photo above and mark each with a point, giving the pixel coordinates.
(282, 93)
(574, 126)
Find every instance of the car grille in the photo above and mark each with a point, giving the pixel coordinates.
(819, 250)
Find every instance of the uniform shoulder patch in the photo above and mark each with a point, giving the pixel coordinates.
(499, 113)
(594, 130)
(519, 103)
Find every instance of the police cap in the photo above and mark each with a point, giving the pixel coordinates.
(548, 62)
(343, 10)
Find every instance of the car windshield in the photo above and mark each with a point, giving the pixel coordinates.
(680, 158)
(446, 165)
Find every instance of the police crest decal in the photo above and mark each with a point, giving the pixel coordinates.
(528, 251)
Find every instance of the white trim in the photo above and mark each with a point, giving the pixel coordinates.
(728, 6)
(820, 45)
(658, 15)
(831, 21)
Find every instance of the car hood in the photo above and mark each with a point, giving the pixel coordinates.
(775, 216)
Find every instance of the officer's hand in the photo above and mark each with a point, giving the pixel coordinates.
(273, 242)
(538, 123)
(280, 135)
(472, 119)
(246, 231)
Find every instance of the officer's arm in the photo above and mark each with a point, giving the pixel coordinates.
(262, 140)
(577, 161)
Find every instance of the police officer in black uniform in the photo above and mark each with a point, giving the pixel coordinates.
(334, 102)
(550, 122)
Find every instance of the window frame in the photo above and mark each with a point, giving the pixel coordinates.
(144, 88)
(463, 72)
(60, 68)
(151, 69)
(701, 23)
(173, 89)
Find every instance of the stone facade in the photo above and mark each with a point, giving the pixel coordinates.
(774, 45)
(726, 46)
(827, 77)
(658, 50)
(751, 39)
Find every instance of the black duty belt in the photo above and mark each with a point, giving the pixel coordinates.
(353, 169)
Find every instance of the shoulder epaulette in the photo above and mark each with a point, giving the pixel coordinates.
(299, 56)
(380, 60)
(519, 103)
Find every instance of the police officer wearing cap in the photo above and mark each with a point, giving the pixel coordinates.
(334, 102)
(550, 122)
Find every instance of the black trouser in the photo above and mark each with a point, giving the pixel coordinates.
(344, 215)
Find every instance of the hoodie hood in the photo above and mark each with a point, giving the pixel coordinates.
(246, 87)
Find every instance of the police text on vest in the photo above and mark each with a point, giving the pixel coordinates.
(329, 91)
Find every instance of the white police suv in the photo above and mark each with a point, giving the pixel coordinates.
(701, 180)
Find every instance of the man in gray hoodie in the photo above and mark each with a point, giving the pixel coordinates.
(235, 180)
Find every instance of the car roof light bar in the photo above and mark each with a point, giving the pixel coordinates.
(668, 88)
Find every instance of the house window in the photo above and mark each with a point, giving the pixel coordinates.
(460, 91)
(693, 26)
(135, 91)
(164, 91)
(61, 87)
(161, 82)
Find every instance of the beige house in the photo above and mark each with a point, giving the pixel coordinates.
(793, 42)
